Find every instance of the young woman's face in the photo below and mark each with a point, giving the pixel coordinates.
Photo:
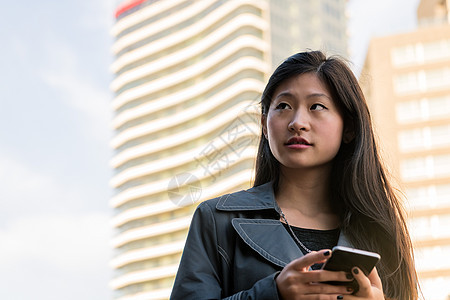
(303, 125)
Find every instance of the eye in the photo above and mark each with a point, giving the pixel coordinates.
(282, 105)
(317, 107)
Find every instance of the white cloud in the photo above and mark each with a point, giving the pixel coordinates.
(44, 245)
(37, 223)
(69, 242)
(26, 191)
(77, 88)
(55, 257)
(80, 93)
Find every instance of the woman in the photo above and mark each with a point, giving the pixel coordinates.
(319, 183)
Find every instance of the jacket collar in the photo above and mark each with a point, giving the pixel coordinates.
(267, 237)
(256, 198)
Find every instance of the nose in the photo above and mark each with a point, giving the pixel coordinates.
(299, 122)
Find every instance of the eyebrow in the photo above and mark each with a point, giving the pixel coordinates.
(284, 94)
(318, 95)
(313, 95)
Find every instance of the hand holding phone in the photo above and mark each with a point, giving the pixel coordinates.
(344, 259)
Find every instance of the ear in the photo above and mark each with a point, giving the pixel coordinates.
(264, 124)
(349, 132)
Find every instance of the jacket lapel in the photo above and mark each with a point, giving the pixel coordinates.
(269, 239)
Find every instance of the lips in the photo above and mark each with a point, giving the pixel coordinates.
(296, 140)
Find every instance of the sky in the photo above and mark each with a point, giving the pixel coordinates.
(54, 139)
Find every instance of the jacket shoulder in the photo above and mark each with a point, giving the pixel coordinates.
(255, 198)
(218, 202)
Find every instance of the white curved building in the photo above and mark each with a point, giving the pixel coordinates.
(188, 78)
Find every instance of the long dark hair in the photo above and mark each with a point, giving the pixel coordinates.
(371, 214)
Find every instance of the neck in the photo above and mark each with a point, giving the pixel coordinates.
(308, 189)
(304, 198)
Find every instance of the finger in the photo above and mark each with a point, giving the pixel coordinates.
(320, 288)
(375, 279)
(323, 297)
(310, 259)
(323, 276)
(363, 282)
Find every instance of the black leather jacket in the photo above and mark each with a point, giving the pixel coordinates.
(235, 247)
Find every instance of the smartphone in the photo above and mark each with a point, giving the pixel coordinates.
(345, 258)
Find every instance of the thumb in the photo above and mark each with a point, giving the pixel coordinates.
(375, 278)
(310, 259)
